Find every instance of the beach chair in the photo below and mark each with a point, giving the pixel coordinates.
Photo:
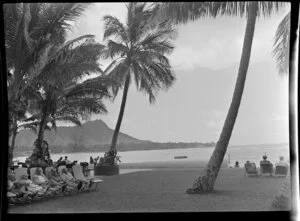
(281, 170)
(19, 172)
(250, 169)
(59, 169)
(77, 171)
(65, 189)
(266, 168)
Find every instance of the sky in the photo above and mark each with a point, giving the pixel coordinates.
(205, 62)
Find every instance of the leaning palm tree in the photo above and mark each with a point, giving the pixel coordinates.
(184, 12)
(138, 50)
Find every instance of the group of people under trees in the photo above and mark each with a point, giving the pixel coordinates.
(40, 184)
(110, 158)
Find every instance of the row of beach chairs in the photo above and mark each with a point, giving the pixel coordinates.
(48, 192)
(266, 169)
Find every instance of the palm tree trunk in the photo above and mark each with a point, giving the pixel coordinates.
(12, 146)
(41, 131)
(206, 181)
(121, 113)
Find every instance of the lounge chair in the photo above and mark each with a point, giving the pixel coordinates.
(250, 169)
(266, 168)
(281, 170)
(60, 169)
(19, 172)
(77, 171)
(66, 189)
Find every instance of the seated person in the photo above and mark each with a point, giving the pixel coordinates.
(67, 160)
(40, 179)
(13, 187)
(31, 187)
(55, 179)
(68, 178)
(281, 162)
(250, 167)
(236, 164)
(265, 161)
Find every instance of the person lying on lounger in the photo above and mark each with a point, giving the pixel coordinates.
(40, 179)
(15, 187)
(55, 179)
(31, 187)
(69, 179)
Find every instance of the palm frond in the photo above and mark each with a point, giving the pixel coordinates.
(116, 49)
(69, 119)
(118, 73)
(32, 126)
(183, 12)
(114, 28)
(282, 45)
(77, 62)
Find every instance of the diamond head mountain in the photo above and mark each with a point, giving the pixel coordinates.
(91, 136)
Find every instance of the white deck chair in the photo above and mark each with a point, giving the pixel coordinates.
(77, 171)
(19, 172)
(60, 169)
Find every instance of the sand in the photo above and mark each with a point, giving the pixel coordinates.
(163, 190)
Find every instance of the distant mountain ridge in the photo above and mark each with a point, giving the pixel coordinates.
(89, 134)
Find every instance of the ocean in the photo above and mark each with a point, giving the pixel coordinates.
(233, 154)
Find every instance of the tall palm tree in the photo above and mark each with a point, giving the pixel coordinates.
(139, 49)
(184, 12)
(32, 30)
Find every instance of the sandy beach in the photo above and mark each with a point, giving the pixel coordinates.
(162, 189)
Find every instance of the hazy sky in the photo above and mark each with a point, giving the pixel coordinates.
(205, 61)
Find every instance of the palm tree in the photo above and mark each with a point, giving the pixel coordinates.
(184, 12)
(140, 50)
(32, 30)
(61, 97)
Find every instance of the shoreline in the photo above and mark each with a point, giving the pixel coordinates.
(176, 164)
(28, 153)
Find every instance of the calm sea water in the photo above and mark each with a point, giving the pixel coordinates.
(241, 154)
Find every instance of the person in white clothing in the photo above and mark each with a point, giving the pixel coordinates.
(281, 162)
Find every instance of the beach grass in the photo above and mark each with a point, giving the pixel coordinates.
(163, 190)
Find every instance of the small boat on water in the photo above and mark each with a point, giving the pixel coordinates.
(180, 157)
